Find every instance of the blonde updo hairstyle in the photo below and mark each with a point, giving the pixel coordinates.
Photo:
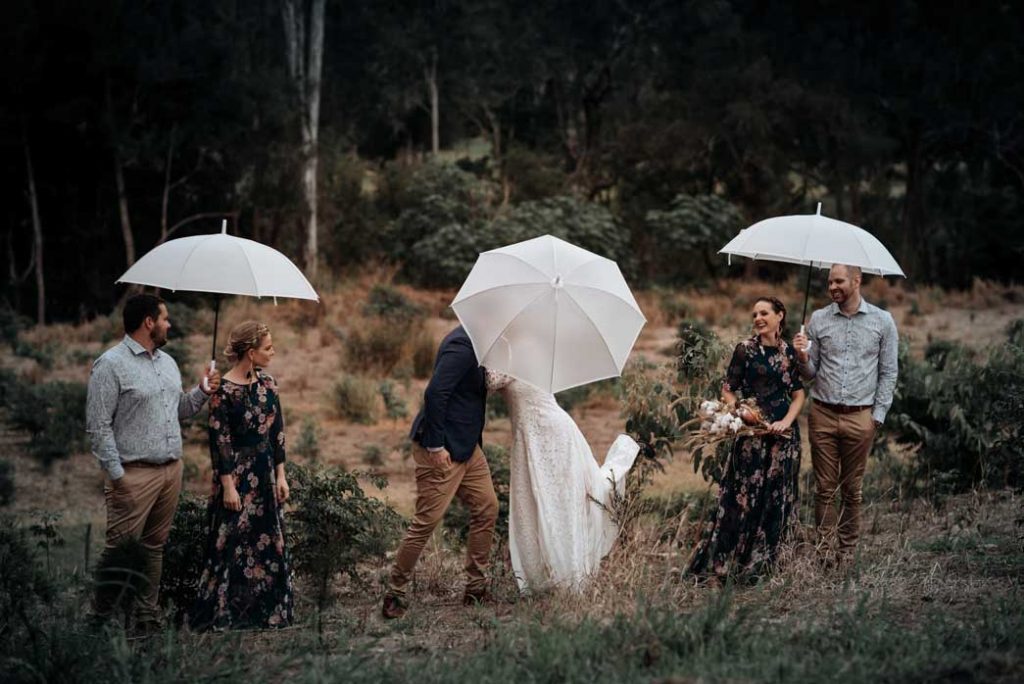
(244, 336)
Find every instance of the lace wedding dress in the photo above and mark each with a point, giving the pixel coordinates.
(558, 533)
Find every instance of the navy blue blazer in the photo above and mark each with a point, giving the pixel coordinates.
(455, 401)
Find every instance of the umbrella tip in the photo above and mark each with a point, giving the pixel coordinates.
(819, 210)
(224, 225)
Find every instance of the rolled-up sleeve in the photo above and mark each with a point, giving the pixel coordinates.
(888, 370)
(190, 402)
(100, 408)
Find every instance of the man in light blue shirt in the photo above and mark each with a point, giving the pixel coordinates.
(133, 411)
(850, 352)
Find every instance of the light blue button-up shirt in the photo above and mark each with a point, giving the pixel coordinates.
(853, 360)
(135, 406)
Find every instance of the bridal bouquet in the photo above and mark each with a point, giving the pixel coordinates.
(717, 421)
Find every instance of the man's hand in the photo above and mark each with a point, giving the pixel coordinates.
(801, 344)
(211, 379)
(440, 458)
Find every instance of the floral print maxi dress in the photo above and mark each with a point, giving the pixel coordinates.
(758, 494)
(246, 581)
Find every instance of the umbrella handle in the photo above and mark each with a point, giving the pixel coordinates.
(803, 332)
(206, 380)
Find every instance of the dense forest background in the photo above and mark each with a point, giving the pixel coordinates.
(417, 133)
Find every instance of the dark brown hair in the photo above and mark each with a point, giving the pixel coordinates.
(777, 307)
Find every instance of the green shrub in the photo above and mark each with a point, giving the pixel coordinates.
(445, 256)
(53, 414)
(121, 576)
(187, 358)
(387, 302)
(308, 443)
(394, 405)
(335, 526)
(699, 353)
(44, 355)
(184, 555)
(965, 416)
(456, 518)
(23, 584)
(376, 346)
(692, 229)
(356, 399)
(373, 455)
(11, 324)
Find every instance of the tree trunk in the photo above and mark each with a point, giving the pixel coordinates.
(430, 76)
(37, 234)
(122, 197)
(305, 65)
(167, 188)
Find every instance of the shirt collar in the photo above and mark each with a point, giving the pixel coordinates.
(864, 307)
(137, 348)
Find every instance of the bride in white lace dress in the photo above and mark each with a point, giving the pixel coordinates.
(558, 533)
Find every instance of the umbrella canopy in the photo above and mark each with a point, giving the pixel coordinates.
(813, 240)
(220, 264)
(550, 313)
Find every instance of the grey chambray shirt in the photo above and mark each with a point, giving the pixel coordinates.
(853, 360)
(135, 405)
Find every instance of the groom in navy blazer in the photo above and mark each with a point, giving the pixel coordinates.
(447, 438)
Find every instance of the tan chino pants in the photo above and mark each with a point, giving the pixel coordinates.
(435, 489)
(840, 444)
(142, 507)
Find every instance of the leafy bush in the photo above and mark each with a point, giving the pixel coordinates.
(11, 324)
(335, 526)
(53, 414)
(456, 518)
(23, 585)
(445, 256)
(184, 555)
(394, 405)
(121, 576)
(44, 355)
(387, 302)
(357, 399)
(965, 415)
(692, 226)
(308, 443)
(375, 345)
(373, 455)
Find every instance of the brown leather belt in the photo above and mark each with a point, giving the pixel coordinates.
(839, 408)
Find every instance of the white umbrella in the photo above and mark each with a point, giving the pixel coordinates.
(815, 241)
(221, 264)
(550, 313)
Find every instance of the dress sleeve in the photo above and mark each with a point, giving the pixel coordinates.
(277, 427)
(795, 383)
(222, 451)
(737, 368)
(497, 380)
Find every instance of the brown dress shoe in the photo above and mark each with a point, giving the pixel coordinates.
(394, 607)
(474, 598)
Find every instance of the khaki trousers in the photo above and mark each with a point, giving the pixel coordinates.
(435, 488)
(840, 444)
(142, 507)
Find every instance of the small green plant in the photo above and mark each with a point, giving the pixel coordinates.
(53, 414)
(356, 399)
(394, 406)
(335, 526)
(388, 302)
(23, 586)
(46, 533)
(377, 345)
(44, 355)
(184, 555)
(308, 444)
(373, 455)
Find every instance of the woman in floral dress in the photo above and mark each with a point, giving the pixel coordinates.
(757, 498)
(246, 581)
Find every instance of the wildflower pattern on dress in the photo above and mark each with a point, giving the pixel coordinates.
(758, 494)
(246, 581)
